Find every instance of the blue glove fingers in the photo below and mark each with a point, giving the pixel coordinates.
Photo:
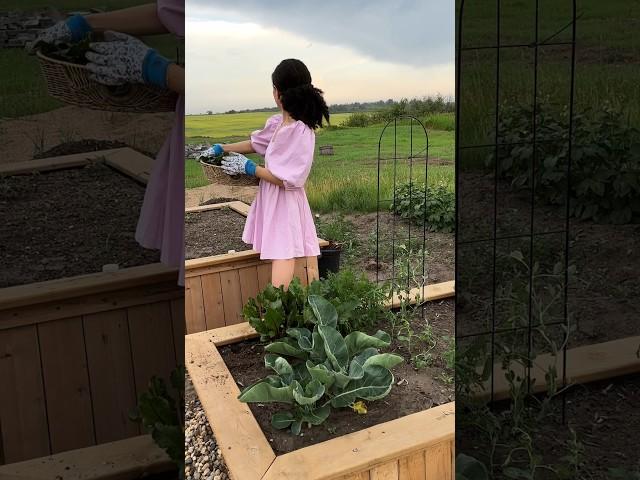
(250, 168)
(217, 150)
(154, 68)
(79, 27)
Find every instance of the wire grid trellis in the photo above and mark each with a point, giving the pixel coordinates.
(494, 146)
(403, 282)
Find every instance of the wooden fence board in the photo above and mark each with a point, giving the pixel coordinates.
(213, 304)
(248, 283)
(111, 373)
(66, 381)
(438, 461)
(194, 309)
(412, 467)
(264, 275)
(23, 415)
(386, 471)
(231, 297)
(178, 322)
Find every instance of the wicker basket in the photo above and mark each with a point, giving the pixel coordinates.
(216, 175)
(70, 83)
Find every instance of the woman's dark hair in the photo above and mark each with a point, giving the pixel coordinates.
(299, 97)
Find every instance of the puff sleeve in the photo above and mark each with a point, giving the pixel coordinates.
(260, 138)
(291, 156)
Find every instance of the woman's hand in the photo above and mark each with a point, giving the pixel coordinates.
(214, 151)
(124, 59)
(237, 163)
(73, 29)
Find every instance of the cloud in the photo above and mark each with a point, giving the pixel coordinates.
(419, 33)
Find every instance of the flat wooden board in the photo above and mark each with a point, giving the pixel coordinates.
(368, 448)
(244, 447)
(428, 293)
(128, 459)
(130, 162)
(102, 282)
(56, 163)
(587, 363)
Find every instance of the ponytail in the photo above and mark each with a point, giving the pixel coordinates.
(298, 96)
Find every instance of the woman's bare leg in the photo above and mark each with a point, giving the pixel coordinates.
(282, 272)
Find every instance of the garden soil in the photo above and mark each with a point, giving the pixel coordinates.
(213, 232)
(69, 222)
(414, 390)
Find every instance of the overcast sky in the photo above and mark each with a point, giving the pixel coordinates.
(356, 50)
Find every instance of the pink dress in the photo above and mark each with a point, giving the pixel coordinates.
(280, 224)
(161, 222)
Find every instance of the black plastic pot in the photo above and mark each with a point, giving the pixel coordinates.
(329, 260)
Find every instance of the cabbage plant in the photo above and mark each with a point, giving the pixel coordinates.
(315, 370)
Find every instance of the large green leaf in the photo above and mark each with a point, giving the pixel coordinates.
(386, 360)
(317, 415)
(335, 347)
(286, 347)
(317, 354)
(280, 366)
(321, 373)
(468, 468)
(311, 393)
(375, 384)
(264, 392)
(324, 311)
(281, 420)
(358, 341)
(303, 336)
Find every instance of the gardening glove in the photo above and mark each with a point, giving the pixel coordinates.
(214, 151)
(73, 29)
(124, 59)
(236, 163)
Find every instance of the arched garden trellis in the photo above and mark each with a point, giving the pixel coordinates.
(405, 162)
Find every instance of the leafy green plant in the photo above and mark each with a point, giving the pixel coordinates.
(468, 468)
(162, 414)
(439, 206)
(320, 369)
(605, 160)
(359, 302)
(69, 52)
(275, 310)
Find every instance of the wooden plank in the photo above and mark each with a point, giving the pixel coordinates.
(248, 283)
(152, 350)
(87, 304)
(54, 163)
(386, 471)
(586, 363)
(111, 374)
(131, 162)
(178, 323)
(300, 270)
(264, 275)
(240, 207)
(244, 447)
(313, 273)
(194, 312)
(367, 448)
(232, 334)
(213, 303)
(356, 476)
(102, 282)
(215, 206)
(427, 293)
(438, 462)
(231, 297)
(216, 260)
(129, 459)
(23, 415)
(66, 383)
(413, 467)
(226, 266)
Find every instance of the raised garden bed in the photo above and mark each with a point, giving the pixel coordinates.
(415, 446)
(217, 286)
(75, 351)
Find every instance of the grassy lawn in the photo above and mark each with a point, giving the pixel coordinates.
(347, 180)
(23, 89)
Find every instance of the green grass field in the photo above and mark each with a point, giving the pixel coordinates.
(23, 89)
(347, 180)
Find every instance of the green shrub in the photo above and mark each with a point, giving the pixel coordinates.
(605, 165)
(322, 369)
(359, 302)
(440, 206)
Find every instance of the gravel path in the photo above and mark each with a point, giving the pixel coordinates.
(203, 458)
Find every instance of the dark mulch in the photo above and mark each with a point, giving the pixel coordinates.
(67, 223)
(213, 232)
(415, 390)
